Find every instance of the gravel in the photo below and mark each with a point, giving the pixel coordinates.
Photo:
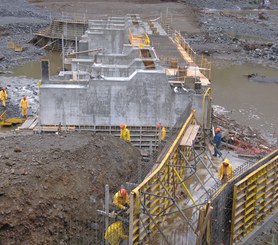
(18, 21)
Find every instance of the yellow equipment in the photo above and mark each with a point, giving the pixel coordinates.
(115, 233)
(9, 121)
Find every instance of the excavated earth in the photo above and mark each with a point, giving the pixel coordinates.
(51, 185)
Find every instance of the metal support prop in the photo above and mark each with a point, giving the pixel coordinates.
(187, 162)
(106, 206)
(206, 167)
(176, 204)
(184, 186)
(144, 207)
(63, 53)
(183, 156)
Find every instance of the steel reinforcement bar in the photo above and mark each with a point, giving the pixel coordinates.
(151, 200)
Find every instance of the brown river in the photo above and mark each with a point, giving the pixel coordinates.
(251, 103)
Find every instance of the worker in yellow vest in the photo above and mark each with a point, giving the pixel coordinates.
(163, 133)
(225, 171)
(125, 134)
(121, 199)
(115, 233)
(3, 96)
(24, 106)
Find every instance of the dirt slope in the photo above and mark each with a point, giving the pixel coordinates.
(51, 185)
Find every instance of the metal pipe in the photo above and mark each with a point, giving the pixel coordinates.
(144, 207)
(174, 201)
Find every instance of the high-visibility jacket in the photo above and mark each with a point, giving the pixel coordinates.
(125, 134)
(24, 104)
(3, 96)
(115, 233)
(120, 201)
(163, 133)
(228, 171)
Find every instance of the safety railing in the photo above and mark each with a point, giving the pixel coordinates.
(153, 198)
(199, 60)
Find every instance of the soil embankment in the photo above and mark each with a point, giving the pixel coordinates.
(51, 185)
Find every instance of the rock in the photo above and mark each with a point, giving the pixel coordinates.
(17, 149)
(274, 48)
(6, 156)
(8, 163)
(55, 156)
(95, 226)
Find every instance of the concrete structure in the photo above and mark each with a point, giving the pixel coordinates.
(117, 77)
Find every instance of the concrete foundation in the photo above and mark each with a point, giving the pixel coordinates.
(116, 77)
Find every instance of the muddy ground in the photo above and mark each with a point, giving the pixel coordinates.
(46, 179)
(51, 185)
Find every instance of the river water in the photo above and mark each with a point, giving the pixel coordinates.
(250, 103)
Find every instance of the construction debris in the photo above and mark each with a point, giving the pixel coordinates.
(243, 140)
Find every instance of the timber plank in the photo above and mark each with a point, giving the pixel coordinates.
(190, 135)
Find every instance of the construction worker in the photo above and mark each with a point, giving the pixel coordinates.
(163, 133)
(121, 199)
(115, 233)
(125, 134)
(217, 142)
(3, 96)
(24, 105)
(225, 171)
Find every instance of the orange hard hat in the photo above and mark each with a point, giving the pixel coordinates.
(123, 192)
(217, 130)
(122, 125)
(158, 125)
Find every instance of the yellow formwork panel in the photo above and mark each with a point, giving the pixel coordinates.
(162, 174)
(254, 198)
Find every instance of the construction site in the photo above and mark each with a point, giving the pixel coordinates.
(121, 143)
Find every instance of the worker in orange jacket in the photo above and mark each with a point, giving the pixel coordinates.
(225, 171)
(125, 134)
(24, 104)
(121, 199)
(3, 96)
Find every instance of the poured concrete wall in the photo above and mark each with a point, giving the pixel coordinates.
(145, 100)
(120, 59)
(111, 41)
